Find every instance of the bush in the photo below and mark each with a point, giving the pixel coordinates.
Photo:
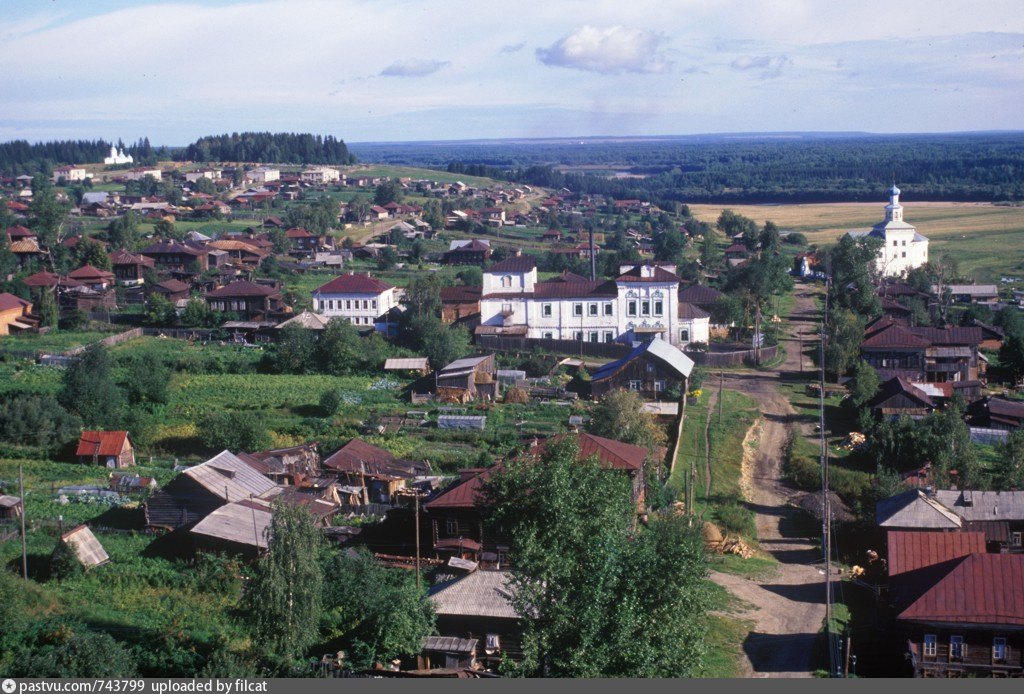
(736, 519)
(795, 238)
(330, 402)
(235, 431)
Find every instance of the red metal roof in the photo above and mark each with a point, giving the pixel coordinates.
(101, 443)
(912, 550)
(460, 294)
(123, 257)
(298, 233)
(88, 273)
(354, 284)
(894, 337)
(18, 231)
(464, 494)
(978, 589)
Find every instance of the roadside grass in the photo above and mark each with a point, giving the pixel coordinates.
(757, 568)
(724, 636)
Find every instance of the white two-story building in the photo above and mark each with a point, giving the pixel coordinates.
(641, 303)
(903, 249)
(361, 299)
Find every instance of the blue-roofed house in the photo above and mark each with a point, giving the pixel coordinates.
(651, 369)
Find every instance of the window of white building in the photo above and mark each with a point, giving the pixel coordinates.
(506, 281)
(658, 308)
(631, 308)
(593, 336)
(578, 335)
(608, 310)
(592, 309)
(609, 336)
(577, 309)
(545, 310)
(645, 308)
(684, 335)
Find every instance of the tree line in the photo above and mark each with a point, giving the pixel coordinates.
(301, 148)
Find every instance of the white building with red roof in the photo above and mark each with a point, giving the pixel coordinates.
(361, 299)
(641, 303)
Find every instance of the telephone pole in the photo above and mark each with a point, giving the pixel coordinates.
(416, 497)
(24, 541)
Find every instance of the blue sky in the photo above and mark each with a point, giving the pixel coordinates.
(412, 69)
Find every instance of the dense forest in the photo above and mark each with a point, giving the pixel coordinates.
(21, 157)
(754, 169)
(280, 148)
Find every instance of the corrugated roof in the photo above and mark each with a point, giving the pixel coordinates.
(101, 443)
(308, 320)
(448, 644)
(664, 352)
(519, 263)
(699, 294)
(910, 550)
(88, 272)
(467, 363)
(914, 509)
(229, 478)
(242, 288)
(978, 589)
(410, 363)
(480, 594)
(689, 311)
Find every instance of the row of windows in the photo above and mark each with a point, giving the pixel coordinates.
(659, 386)
(958, 649)
(647, 308)
(361, 320)
(606, 308)
(328, 304)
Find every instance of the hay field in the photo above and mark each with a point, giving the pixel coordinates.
(987, 240)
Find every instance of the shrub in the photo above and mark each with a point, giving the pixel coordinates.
(330, 402)
(235, 431)
(736, 519)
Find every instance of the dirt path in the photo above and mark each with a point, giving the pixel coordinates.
(788, 608)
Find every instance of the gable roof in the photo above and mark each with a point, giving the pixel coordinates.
(88, 272)
(168, 247)
(242, 288)
(354, 284)
(658, 274)
(910, 550)
(171, 286)
(243, 522)
(899, 387)
(308, 320)
(894, 336)
(915, 509)
(689, 311)
(660, 350)
(228, 477)
(361, 457)
(977, 589)
(699, 294)
(480, 594)
(102, 443)
(123, 257)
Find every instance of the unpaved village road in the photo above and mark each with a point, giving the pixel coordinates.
(788, 609)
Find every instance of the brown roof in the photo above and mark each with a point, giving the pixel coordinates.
(691, 311)
(464, 493)
(123, 257)
(894, 336)
(171, 286)
(910, 550)
(460, 294)
(359, 456)
(9, 302)
(977, 589)
(88, 273)
(242, 288)
(232, 245)
(699, 294)
(474, 246)
(167, 247)
(26, 245)
(518, 263)
(354, 284)
(101, 443)
(298, 233)
(18, 231)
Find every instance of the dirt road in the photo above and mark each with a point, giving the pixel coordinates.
(789, 607)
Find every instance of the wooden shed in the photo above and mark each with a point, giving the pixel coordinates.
(84, 545)
(473, 377)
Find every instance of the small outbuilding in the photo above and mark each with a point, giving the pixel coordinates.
(85, 547)
(113, 449)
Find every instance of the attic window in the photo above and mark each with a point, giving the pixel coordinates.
(230, 474)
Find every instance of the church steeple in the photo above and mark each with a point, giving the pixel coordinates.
(894, 211)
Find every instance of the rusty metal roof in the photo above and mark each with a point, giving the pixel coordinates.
(910, 550)
(977, 589)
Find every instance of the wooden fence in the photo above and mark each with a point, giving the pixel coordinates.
(608, 350)
(738, 358)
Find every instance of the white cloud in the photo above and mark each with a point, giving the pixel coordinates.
(613, 50)
(414, 68)
(769, 66)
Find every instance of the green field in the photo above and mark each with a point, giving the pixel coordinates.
(986, 240)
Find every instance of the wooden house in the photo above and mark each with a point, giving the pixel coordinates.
(10, 507)
(248, 300)
(460, 303)
(476, 607)
(418, 365)
(114, 449)
(473, 252)
(996, 413)
(289, 466)
(174, 256)
(468, 379)
(173, 290)
(898, 396)
(92, 277)
(651, 369)
(15, 314)
(200, 490)
(379, 474)
(999, 515)
(930, 355)
(129, 268)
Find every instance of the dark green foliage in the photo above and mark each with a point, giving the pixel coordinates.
(89, 389)
(1008, 471)
(330, 402)
(372, 612)
(269, 147)
(606, 599)
(89, 252)
(37, 420)
(160, 312)
(145, 380)
(197, 314)
(620, 416)
(795, 238)
(68, 649)
(282, 605)
(842, 344)
(46, 307)
(864, 384)
(234, 431)
(388, 191)
(293, 352)
(852, 266)
(123, 231)
(64, 563)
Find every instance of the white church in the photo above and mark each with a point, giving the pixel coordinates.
(903, 249)
(118, 157)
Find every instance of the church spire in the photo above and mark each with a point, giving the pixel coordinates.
(894, 211)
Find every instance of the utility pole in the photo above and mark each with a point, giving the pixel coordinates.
(416, 502)
(721, 385)
(825, 504)
(24, 541)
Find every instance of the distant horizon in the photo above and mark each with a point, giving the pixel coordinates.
(420, 71)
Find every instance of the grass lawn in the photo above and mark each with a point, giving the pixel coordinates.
(725, 635)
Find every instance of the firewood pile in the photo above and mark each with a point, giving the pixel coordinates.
(720, 543)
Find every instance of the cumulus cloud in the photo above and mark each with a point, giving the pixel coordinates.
(513, 47)
(414, 68)
(613, 50)
(767, 65)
